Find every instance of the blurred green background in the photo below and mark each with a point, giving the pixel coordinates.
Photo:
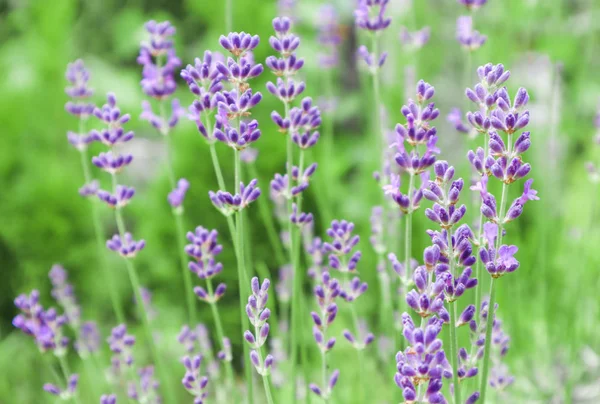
(550, 306)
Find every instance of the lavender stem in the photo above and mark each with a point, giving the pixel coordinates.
(136, 286)
(452, 325)
(220, 334)
(85, 165)
(478, 291)
(265, 377)
(64, 366)
(242, 275)
(268, 222)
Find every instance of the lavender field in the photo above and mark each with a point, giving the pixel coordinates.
(301, 201)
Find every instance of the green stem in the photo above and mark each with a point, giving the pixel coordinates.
(454, 352)
(64, 366)
(359, 384)
(220, 333)
(136, 286)
(265, 376)
(187, 274)
(99, 234)
(242, 283)
(267, 220)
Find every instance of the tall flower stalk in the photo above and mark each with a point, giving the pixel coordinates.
(299, 124)
(78, 77)
(159, 61)
(123, 242)
(503, 161)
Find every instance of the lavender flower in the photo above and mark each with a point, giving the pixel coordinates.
(89, 339)
(468, 37)
(64, 394)
(415, 40)
(258, 313)
(177, 195)
(126, 246)
(370, 15)
(157, 56)
(193, 382)
(64, 295)
(239, 44)
(204, 249)
(473, 4)
(328, 36)
(108, 399)
(326, 293)
(120, 199)
(162, 123)
(423, 361)
(78, 76)
(145, 390)
(89, 189)
(46, 327)
(239, 139)
(121, 344)
(342, 244)
(228, 204)
(112, 163)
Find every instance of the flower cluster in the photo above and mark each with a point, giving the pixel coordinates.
(341, 246)
(467, 36)
(326, 292)
(415, 40)
(64, 295)
(370, 16)
(45, 326)
(228, 204)
(329, 36)
(64, 394)
(204, 248)
(177, 195)
(193, 382)
(78, 76)
(258, 313)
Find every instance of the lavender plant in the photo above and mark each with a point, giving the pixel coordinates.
(79, 106)
(159, 61)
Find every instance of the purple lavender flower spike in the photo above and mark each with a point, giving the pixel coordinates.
(120, 199)
(329, 36)
(473, 4)
(159, 61)
(203, 78)
(205, 249)
(300, 219)
(121, 344)
(126, 246)
(228, 204)
(193, 381)
(112, 163)
(108, 399)
(341, 246)
(248, 155)
(163, 125)
(65, 394)
(146, 389)
(64, 295)
(468, 37)
(89, 339)
(176, 196)
(258, 314)
(370, 15)
(82, 141)
(78, 77)
(232, 105)
(89, 189)
(247, 134)
(239, 43)
(414, 40)
(111, 115)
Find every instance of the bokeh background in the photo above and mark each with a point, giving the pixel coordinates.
(550, 306)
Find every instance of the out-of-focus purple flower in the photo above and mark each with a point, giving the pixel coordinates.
(177, 195)
(456, 119)
(370, 15)
(83, 140)
(258, 314)
(414, 40)
(228, 204)
(126, 246)
(473, 4)
(162, 124)
(67, 393)
(63, 293)
(468, 37)
(121, 344)
(159, 61)
(78, 76)
(120, 199)
(248, 155)
(149, 309)
(373, 61)
(112, 163)
(300, 219)
(108, 399)
(89, 339)
(288, 9)
(193, 382)
(329, 36)
(46, 327)
(362, 338)
(377, 230)
(144, 390)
